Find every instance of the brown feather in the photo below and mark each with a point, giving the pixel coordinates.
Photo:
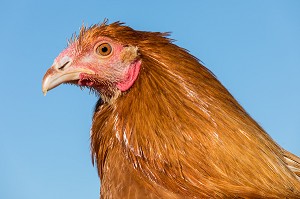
(178, 133)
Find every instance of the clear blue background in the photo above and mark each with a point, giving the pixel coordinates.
(253, 47)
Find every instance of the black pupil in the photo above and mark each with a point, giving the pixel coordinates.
(104, 49)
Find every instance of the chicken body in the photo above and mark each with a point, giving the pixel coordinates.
(164, 126)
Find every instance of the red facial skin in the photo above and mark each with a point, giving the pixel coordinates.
(85, 66)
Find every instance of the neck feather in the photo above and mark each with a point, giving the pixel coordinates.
(178, 117)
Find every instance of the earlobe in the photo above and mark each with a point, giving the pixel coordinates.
(131, 76)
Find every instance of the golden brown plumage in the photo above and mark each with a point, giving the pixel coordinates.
(165, 127)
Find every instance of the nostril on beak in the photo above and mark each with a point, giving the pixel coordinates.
(64, 65)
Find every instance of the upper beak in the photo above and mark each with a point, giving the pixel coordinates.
(59, 74)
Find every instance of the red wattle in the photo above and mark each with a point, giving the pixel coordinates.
(83, 81)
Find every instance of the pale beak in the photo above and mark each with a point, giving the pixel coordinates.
(57, 75)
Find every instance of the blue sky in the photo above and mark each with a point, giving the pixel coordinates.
(253, 47)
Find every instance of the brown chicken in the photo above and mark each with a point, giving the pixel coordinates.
(164, 126)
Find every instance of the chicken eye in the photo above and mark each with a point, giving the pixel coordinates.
(104, 49)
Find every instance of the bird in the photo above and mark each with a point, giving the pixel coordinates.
(164, 126)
